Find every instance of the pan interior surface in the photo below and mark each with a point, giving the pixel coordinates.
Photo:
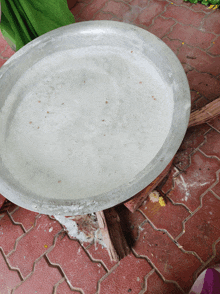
(76, 126)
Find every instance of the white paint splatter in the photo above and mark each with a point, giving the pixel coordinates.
(50, 230)
(72, 228)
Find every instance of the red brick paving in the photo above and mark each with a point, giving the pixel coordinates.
(205, 84)
(167, 257)
(8, 278)
(193, 33)
(129, 281)
(190, 185)
(2, 200)
(28, 222)
(184, 15)
(80, 271)
(156, 285)
(193, 139)
(212, 146)
(161, 27)
(192, 36)
(64, 288)
(34, 244)
(147, 15)
(46, 285)
(215, 49)
(199, 60)
(215, 123)
(203, 229)
(169, 217)
(212, 24)
(9, 233)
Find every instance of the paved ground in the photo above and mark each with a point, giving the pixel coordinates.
(171, 244)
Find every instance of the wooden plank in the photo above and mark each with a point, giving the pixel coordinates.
(135, 202)
(206, 113)
(113, 236)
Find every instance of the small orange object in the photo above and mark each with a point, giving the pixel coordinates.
(30, 122)
(39, 101)
(59, 181)
(45, 246)
(140, 82)
(47, 111)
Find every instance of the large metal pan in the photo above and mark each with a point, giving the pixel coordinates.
(91, 113)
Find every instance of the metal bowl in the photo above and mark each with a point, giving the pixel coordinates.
(91, 113)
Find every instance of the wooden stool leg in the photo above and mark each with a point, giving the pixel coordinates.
(113, 236)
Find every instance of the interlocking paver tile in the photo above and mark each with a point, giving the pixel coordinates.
(116, 8)
(198, 7)
(127, 277)
(79, 269)
(140, 3)
(215, 123)
(42, 281)
(24, 216)
(186, 67)
(98, 252)
(191, 36)
(77, 8)
(64, 288)
(215, 49)
(181, 3)
(199, 103)
(8, 52)
(9, 233)
(194, 96)
(169, 217)
(2, 200)
(8, 278)
(205, 84)
(148, 14)
(199, 60)
(156, 285)
(196, 180)
(184, 15)
(203, 228)
(88, 12)
(193, 138)
(172, 263)
(161, 27)
(212, 146)
(2, 61)
(3, 43)
(216, 189)
(216, 260)
(34, 244)
(173, 44)
(102, 15)
(212, 23)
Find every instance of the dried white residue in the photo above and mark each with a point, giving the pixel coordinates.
(72, 228)
(73, 231)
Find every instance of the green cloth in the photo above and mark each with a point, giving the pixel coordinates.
(24, 20)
